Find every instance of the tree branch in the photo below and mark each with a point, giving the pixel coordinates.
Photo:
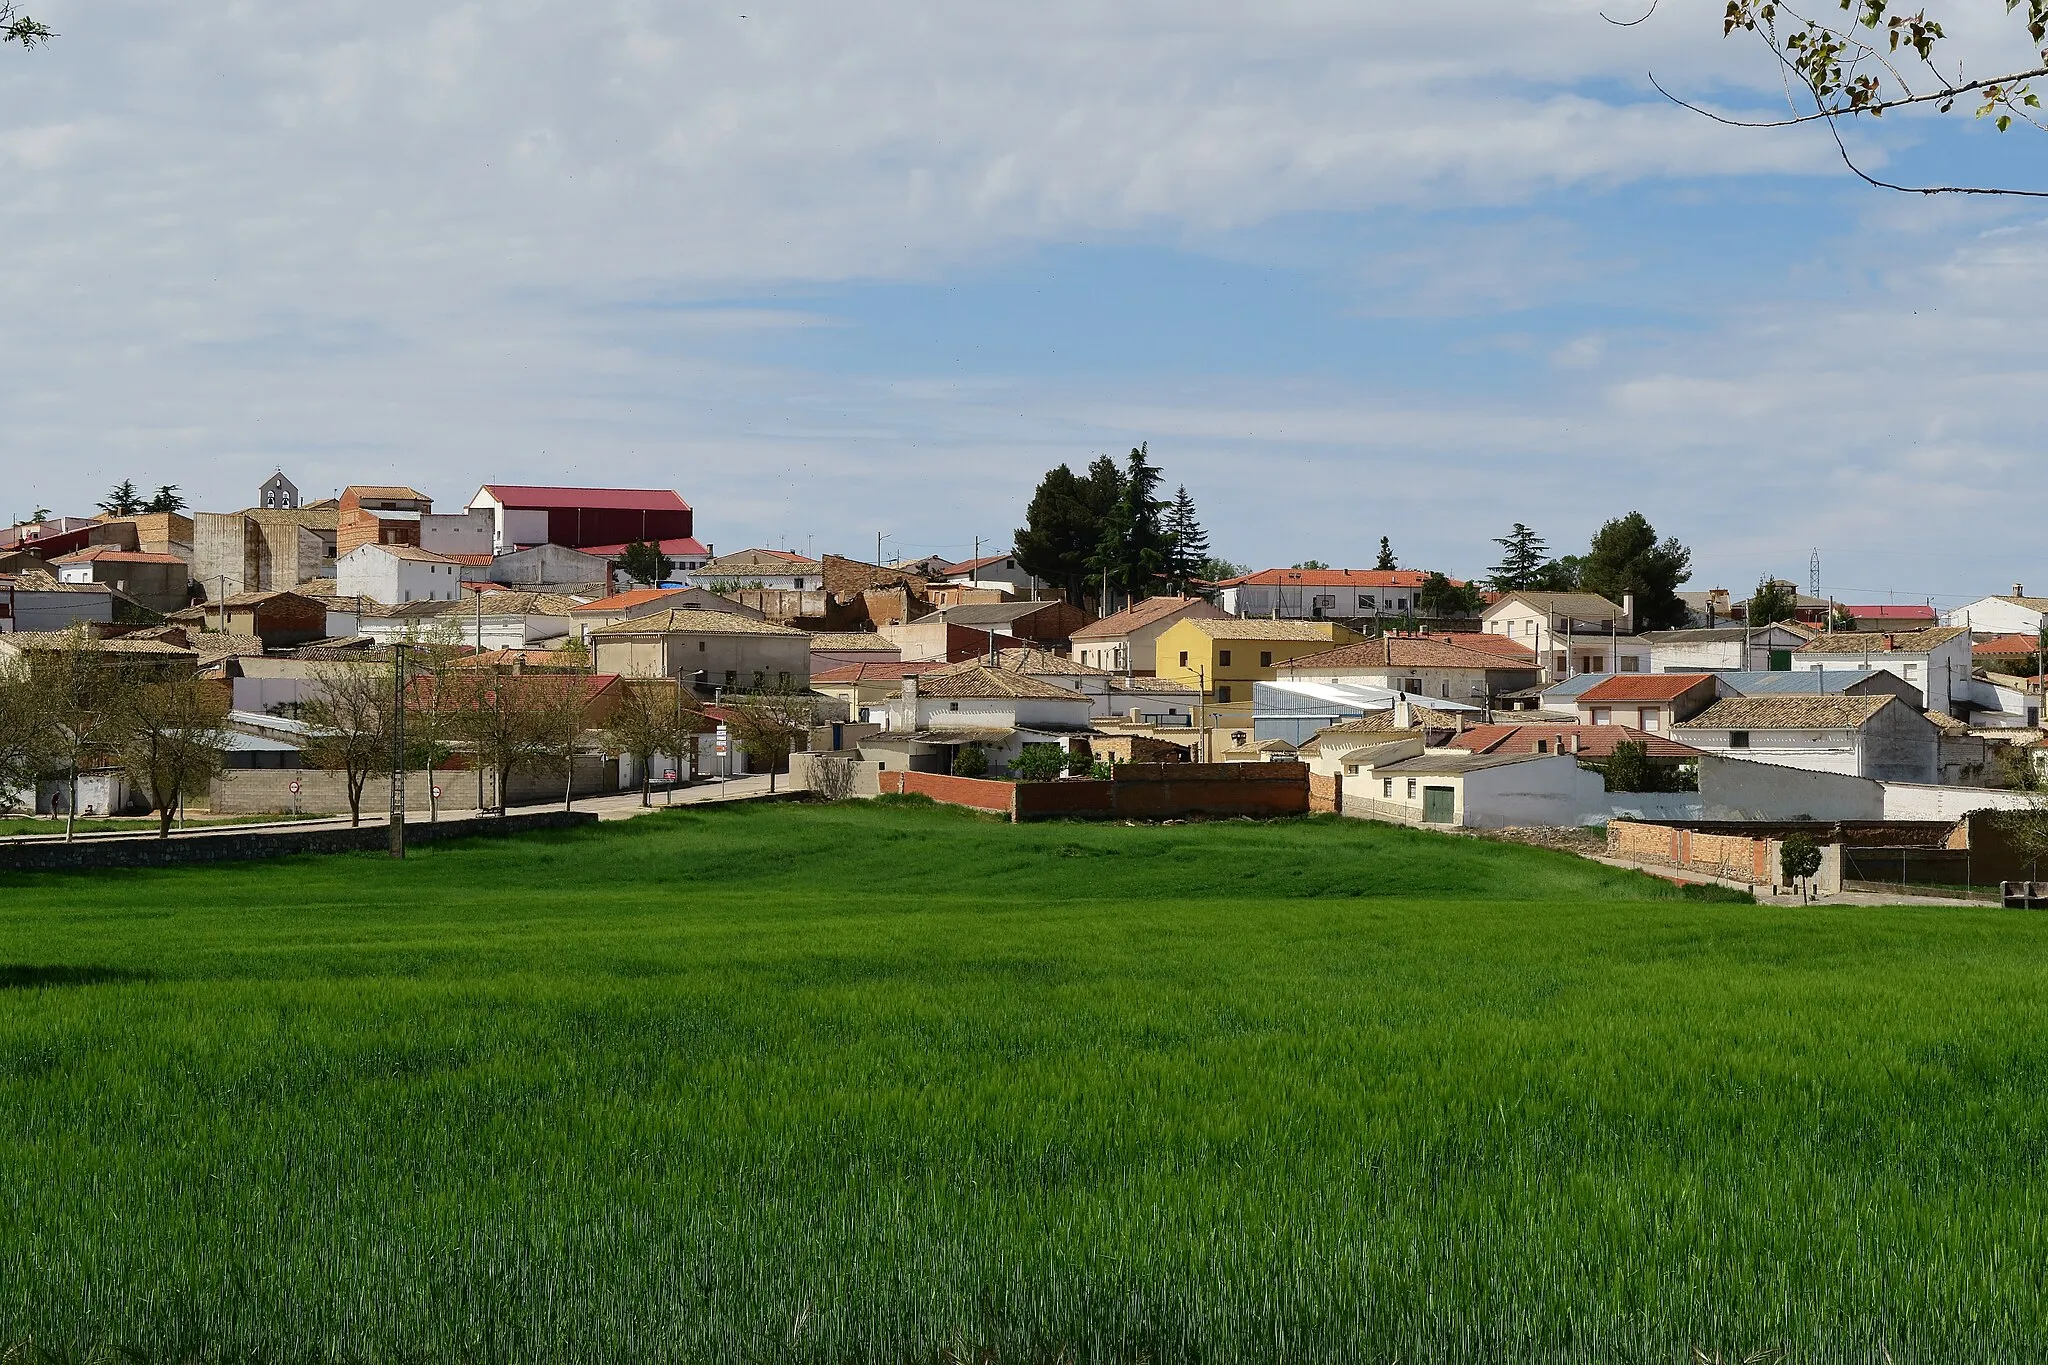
(1876, 107)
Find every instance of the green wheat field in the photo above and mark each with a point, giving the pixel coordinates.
(894, 1083)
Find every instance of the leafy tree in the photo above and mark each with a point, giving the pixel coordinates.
(574, 653)
(1626, 557)
(970, 761)
(1523, 555)
(1772, 602)
(1386, 559)
(1063, 525)
(165, 499)
(16, 27)
(1872, 60)
(1439, 596)
(1310, 564)
(1566, 573)
(1217, 570)
(1628, 768)
(1187, 554)
(1799, 859)
(643, 563)
(1039, 763)
(171, 737)
(349, 720)
(1131, 552)
(123, 500)
(1842, 620)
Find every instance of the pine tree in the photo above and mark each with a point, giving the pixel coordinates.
(1131, 550)
(1386, 560)
(1188, 555)
(123, 500)
(167, 499)
(1523, 556)
(1064, 525)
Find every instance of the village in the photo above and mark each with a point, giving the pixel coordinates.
(542, 645)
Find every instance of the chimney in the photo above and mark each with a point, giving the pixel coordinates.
(1628, 613)
(910, 695)
(2019, 590)
(1891, 641)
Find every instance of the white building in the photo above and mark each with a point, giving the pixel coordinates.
(1878, 737)
(1126, 641)
(945, 710)
(1322, 594)
(397, 574)
(1476, 791)
(457, 533)
(1723, 649)
(2014, 614)
(999, 572)
(1570, 632)
(1935, 662)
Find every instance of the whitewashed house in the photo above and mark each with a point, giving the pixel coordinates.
(1729, 649)
(2013, 614)
(1322, 594)
(1570, 633)
(397, 574)
(1001, 573)
(1474, 791)
(1935, 662)
(1127, 641)
(1878, 737)
(945, 710)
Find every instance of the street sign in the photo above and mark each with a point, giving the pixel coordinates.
(721, 741)
(669, 776)
(295, 786)
(437, 792)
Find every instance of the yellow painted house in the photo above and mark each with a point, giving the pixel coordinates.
(1225, 656)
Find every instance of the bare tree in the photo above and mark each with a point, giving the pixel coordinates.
(494, 714)
(349, 724)
(769, 723)
(31, 747)
(556, 704)
(649, 722)
(832, 777)
(170, 739)
(1873, 60)
(85, 694)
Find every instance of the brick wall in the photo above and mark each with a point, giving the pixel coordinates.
(1326, 794)
(1737, 857)
(974, 792)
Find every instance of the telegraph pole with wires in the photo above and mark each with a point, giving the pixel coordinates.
(398, 750)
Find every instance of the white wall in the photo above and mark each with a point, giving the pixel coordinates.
(1543, 791)
(1913, 801)
(1820, 751)
(373, 572)
(458, 533)
(1745, 789)
(1995, 616)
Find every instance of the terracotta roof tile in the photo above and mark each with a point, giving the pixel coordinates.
(1873, 642)
(1645, 687)
(1787, 713)
(695, 623)
(1137, 616)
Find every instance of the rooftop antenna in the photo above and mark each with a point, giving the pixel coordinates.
(1813, 573)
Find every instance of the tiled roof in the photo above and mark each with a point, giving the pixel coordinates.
(318, 587)
(512, 602)
(1589, 741)
(375, 490)
(1137, 616)
(256, 599)
(681, 547)
(695, 623)
(110, 554)
(1787, 713)
(1488, 643)
(773, 562)
(1234, 628)
(1399, 651)
(1900, 612)
(969, 565)
(979, 680)
(1873, 642)
(1153, 686)
(1644, 686)
(119, 644)
(2007, 646)
(852, 640)
(1579, 606)
(1041, 661)
(626, 601)
(408, 552)
(1329, 578)
(993, 613)
(610, 499)
(1425, 764)
(36, 580)
(875, 672)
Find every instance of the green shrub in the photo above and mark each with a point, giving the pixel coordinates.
(971, 761)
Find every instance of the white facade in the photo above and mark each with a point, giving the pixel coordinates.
(397, 574)
(2014, 615)
(1002, 575)
(1547, 789)
(1567, 645)
(498, 630)
(1721, 650)
(1941, 676)
(457, 533)
(1317, 602)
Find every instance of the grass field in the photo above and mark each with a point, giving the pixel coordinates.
(136, 824)
(847, 1084)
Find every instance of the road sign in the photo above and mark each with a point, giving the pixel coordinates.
(669, 776)
(437, 792)
(295, 786)
(721, 741)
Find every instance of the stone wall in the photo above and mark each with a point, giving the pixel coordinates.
(249, 845)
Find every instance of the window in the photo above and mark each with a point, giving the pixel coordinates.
(1411, 789)
(1651, 718)
(1542, 746)
(408, 595)
(1738, 739)
(732, 679)
(1603, 716)
(1223, 694)
(1387, 787)
(950, 706)
(1365, 602)
(1402, 603)
(1447, 689)
(1223, 659)
(1912, 672)
(1265, 658)
(700, 646)
(1631, 664)
(1183, 658)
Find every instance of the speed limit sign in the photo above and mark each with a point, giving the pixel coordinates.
(437, 792)
(295, 786)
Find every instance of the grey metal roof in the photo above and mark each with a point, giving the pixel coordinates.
(1797, 681)
(1423, 764)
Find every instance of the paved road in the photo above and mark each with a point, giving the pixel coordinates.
(624, 806)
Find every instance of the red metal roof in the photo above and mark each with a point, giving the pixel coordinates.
(686, 545)
(532, 497)
(1644, 687)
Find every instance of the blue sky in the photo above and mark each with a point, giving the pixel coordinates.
(1350, 268)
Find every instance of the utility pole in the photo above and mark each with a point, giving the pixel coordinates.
(398, 751)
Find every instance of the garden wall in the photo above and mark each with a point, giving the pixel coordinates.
(247, 845)
(1139, 791)
(1326, 793)
(975, 792)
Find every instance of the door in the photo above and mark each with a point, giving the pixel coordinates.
(1439, 805)
(1781, 661)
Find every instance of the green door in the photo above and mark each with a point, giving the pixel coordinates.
(1781, 661)
(1439, 806)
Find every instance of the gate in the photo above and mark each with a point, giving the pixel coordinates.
(1439, 806)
